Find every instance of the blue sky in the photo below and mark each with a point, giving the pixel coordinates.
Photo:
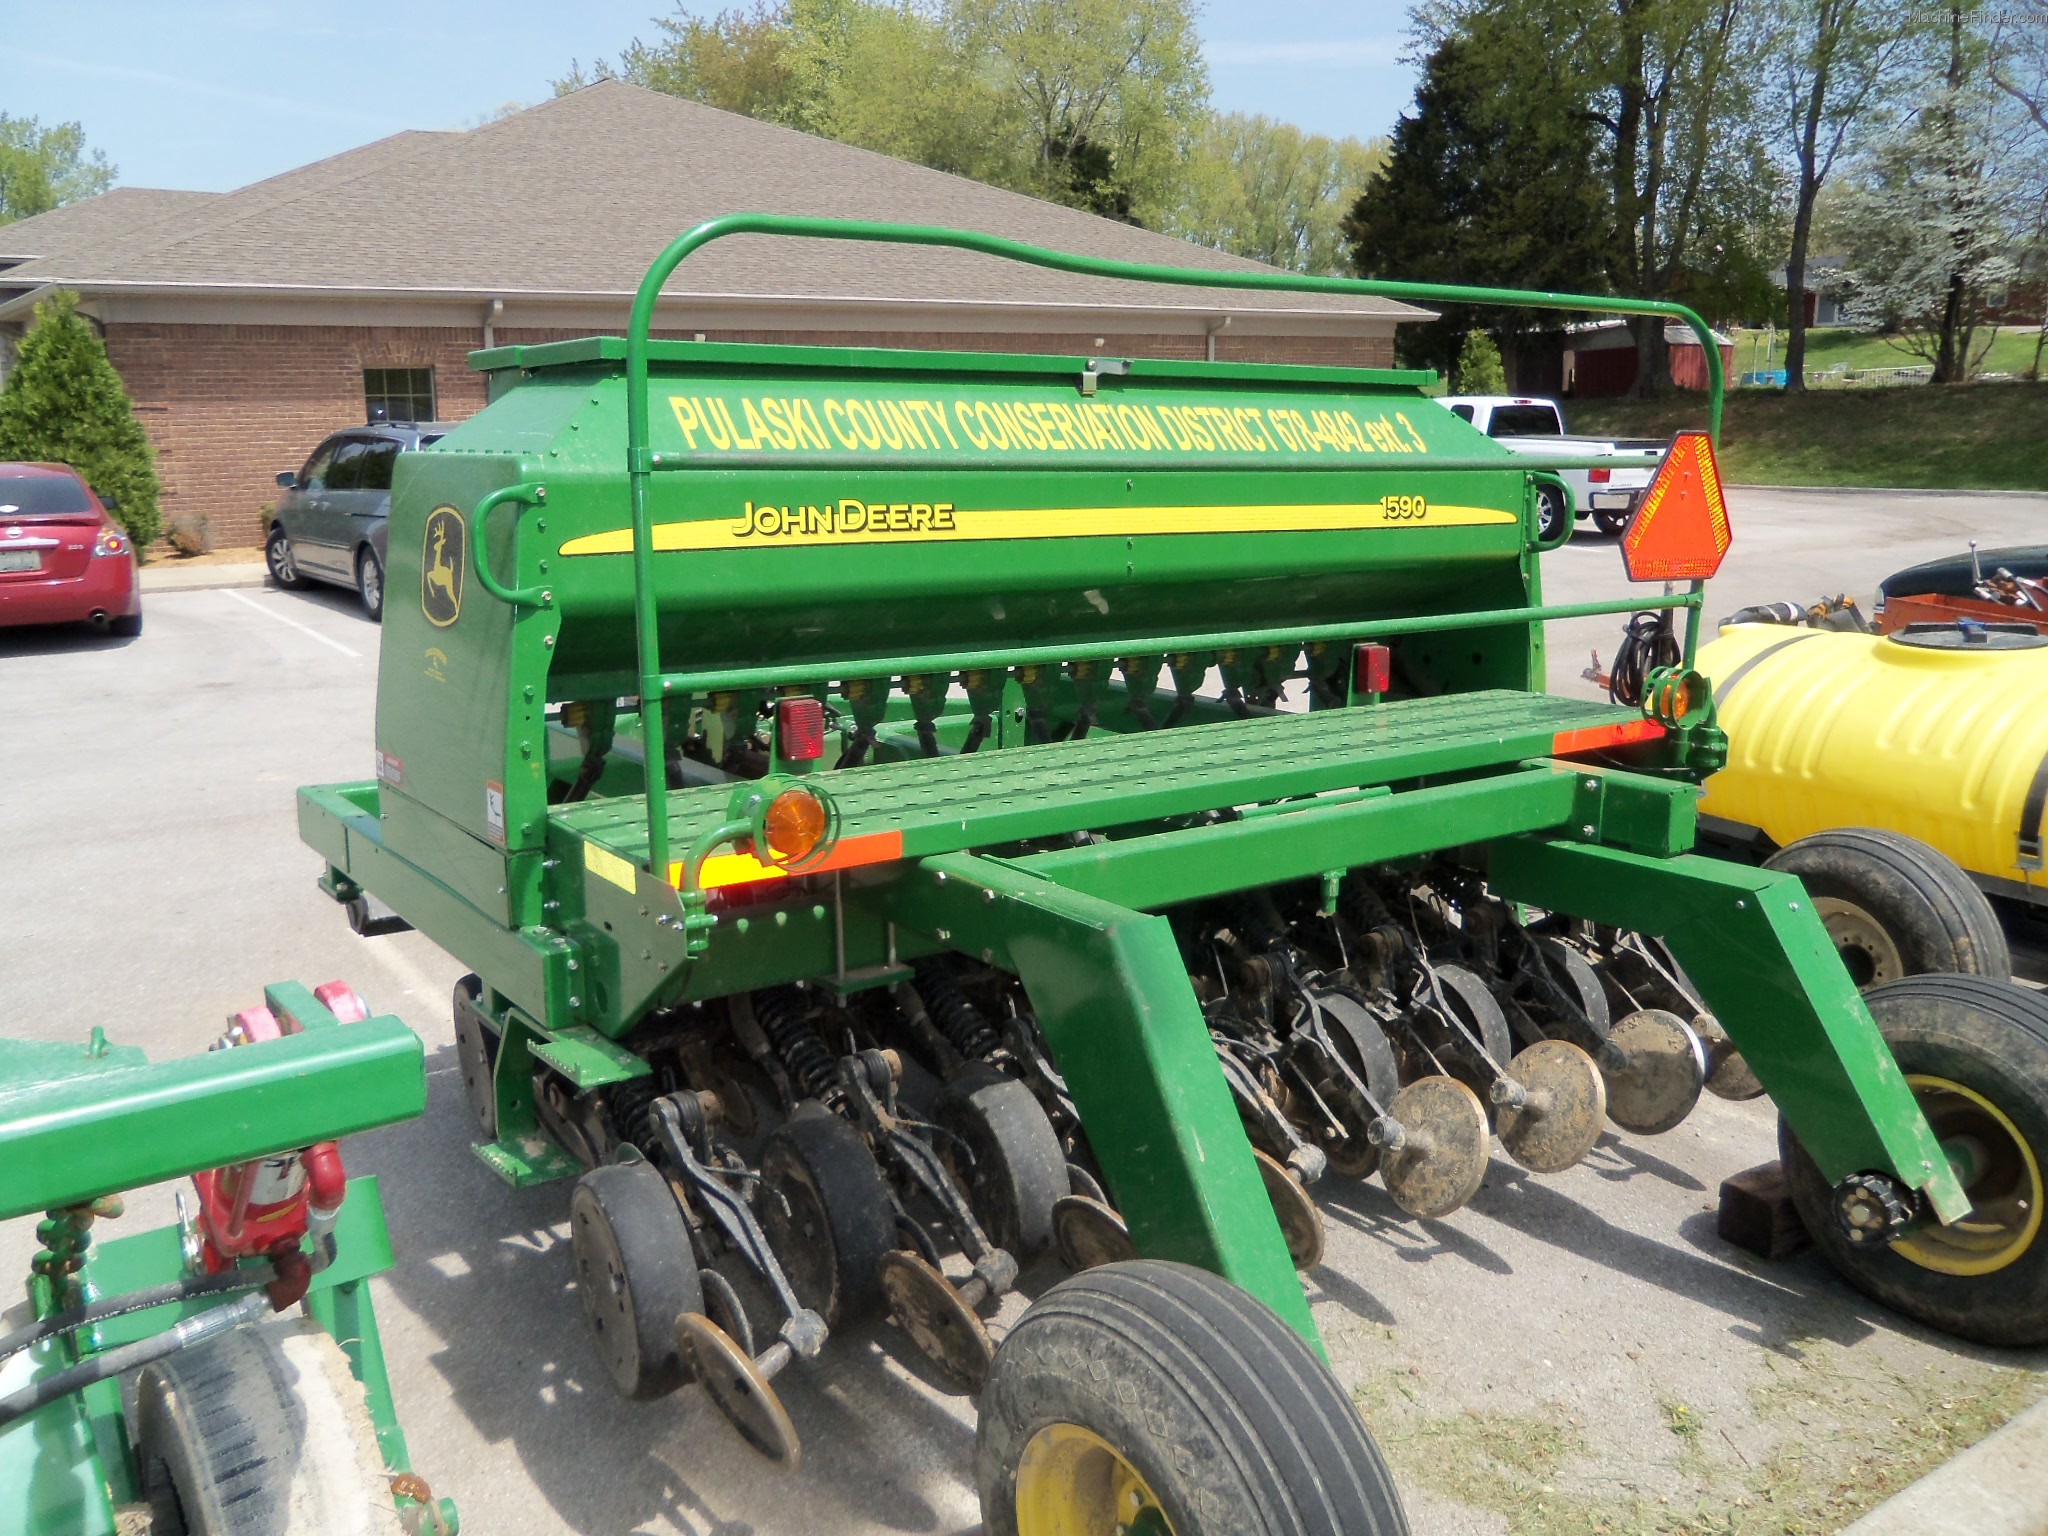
(214, 96)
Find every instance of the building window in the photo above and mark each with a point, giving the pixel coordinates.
(398, 394)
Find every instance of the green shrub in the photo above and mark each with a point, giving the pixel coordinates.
(64, 404)
(1479, 366)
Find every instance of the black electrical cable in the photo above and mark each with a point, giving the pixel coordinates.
(188, 1289)
(1649, 642)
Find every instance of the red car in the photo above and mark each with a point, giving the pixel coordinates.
(63, 560)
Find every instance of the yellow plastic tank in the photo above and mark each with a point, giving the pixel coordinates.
(1844, 730)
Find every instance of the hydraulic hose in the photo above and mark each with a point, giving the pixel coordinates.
(129, 1357)
(250, 1277)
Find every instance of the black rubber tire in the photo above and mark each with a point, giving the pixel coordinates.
(827, 1213)
(1234, 1423)
(1989, 1036)
(636, 1273)
(369, 591)
(1553, 513)
(1575, 974)
(261, 1432)
(1938, 919)
(281, 563)
(1612, 524)
(476, 1056)
(1015, 1169)
(126, 627)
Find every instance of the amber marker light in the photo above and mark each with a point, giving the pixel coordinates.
(796, 822)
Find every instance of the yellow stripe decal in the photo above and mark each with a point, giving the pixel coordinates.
(772, 527)
(606, 865)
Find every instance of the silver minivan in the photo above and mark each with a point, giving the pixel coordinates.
(333, 512)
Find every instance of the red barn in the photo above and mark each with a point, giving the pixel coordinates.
(1600, 359)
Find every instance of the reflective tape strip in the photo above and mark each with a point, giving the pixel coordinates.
(1590, 738)
(743, 868)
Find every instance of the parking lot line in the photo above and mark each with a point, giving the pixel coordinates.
(304, 629)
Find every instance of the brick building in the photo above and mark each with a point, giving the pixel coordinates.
(249, 324)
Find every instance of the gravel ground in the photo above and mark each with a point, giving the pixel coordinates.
(1568, 1354)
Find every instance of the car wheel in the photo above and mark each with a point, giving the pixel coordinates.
(283, 563)
(1553, 514)
(370, 584)
(1611, 523)
(128, 626)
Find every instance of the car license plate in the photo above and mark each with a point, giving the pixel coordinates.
(21, 559)
(1609, 501)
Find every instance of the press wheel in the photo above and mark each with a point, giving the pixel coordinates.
(738, 1390)
(1088, 1234)
(826, 1212)
(635, 1271)
(932, 1313)
(1444, 1147)
(1563, 1111)
(1369, 1053)
(1007, 1157)
(1300, 1222)
(1158, 1398)
(1660, 1074)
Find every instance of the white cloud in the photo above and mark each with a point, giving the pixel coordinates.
(1332, 53)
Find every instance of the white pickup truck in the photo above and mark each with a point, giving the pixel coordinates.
(1529, 425)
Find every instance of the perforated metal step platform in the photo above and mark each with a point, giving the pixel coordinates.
(940, 805)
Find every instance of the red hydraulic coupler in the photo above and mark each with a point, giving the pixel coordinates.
(269, 1205)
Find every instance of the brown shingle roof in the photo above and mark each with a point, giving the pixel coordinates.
(95, 220)
(578, 195)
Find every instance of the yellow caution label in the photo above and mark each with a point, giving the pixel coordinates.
(606, 865)
(764, 525)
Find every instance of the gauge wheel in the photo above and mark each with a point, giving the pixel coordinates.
(1976, 1054)
(1611, 523)
(1153, 1397)
(262, 1432)
(827, 1213)
(283, 564)
(1896, 907)
(1006, 1156)
(1481, 1014)
(1553, 513)
(636, 1273)
(1580, 983)
(370, 583)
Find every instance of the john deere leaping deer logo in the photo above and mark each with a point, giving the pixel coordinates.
(441, 565)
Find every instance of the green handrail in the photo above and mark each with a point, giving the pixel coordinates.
(639, 453)
(480, 551)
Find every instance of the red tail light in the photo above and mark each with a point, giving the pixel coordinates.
(111, 542)
(1599, 476)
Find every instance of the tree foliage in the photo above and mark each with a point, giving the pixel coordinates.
(1098, 104)
(44, 168)
(1492, 180)
(64, 404)
(1479, 367)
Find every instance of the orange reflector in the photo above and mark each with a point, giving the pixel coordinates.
(1680, 533)
(743, 868)
(1590, 738)
(795, 821)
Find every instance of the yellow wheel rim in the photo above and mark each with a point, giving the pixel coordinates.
(1072, 1482)
(2004, 1186)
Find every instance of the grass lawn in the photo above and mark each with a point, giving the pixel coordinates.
(1966, 437)
(1842, 347)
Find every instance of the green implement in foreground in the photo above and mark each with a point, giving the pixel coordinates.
(812, 750)
(79, 1124)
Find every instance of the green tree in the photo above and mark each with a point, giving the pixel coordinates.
(1492, 180)
(1479, 367)
(64, 404)
(44, 168)
(1266, 190)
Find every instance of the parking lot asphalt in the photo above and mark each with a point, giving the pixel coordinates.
(1570, 1353)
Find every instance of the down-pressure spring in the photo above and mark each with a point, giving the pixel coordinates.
(781, 1015)
(965, 1027)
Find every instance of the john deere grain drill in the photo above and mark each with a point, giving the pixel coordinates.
(908, 813)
